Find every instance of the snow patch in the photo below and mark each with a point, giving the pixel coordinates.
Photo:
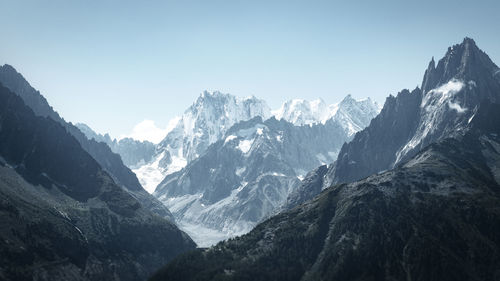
(443, 93)
(245, 145)
(240, 171)
(457, 107)
(434, 105)
(151, 174)
(230, 138)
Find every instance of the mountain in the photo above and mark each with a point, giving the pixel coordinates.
(202, 124)
(63, 216)
(133, 152)
(248, 174)
(433, 215)
(109, 161)
(303, 112)
(352, 114)
(450, 95)
(447, 101)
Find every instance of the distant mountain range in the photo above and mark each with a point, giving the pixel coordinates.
(248, 173)
(133, 152)
(220, 184)
(414, 196)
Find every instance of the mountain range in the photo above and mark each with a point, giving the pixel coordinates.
(308, 191)
(414, 196)
(248, 173)
(228, 162)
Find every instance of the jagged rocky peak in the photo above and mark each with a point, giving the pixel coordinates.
(451, 93)
(463, 62)
(228, 104)
(301, 112)
(207, 119)
(16, 82)
(354, 115)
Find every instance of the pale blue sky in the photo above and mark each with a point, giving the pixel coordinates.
(112, 64)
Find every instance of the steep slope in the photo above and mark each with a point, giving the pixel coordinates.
(110, 161)
(133, 152)
(248, 174)
(13, 80)
(450, 95)
(437, 217)
(63, 217)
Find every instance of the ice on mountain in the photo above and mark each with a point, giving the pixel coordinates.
(229, 138)
(245, 145)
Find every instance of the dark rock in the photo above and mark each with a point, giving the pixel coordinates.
(62, 215)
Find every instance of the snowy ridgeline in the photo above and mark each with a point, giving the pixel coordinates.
(213, 114)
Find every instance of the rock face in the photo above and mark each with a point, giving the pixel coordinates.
(248, 174)
(448, 99)
(450, 95)
(308, 188)
(63, 216)
(134, 153)
(435, 217)
(109, 161)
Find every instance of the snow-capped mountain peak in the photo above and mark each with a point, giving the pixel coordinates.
(352, 114)
(302, 112)
(207, 120)
(202, 124)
